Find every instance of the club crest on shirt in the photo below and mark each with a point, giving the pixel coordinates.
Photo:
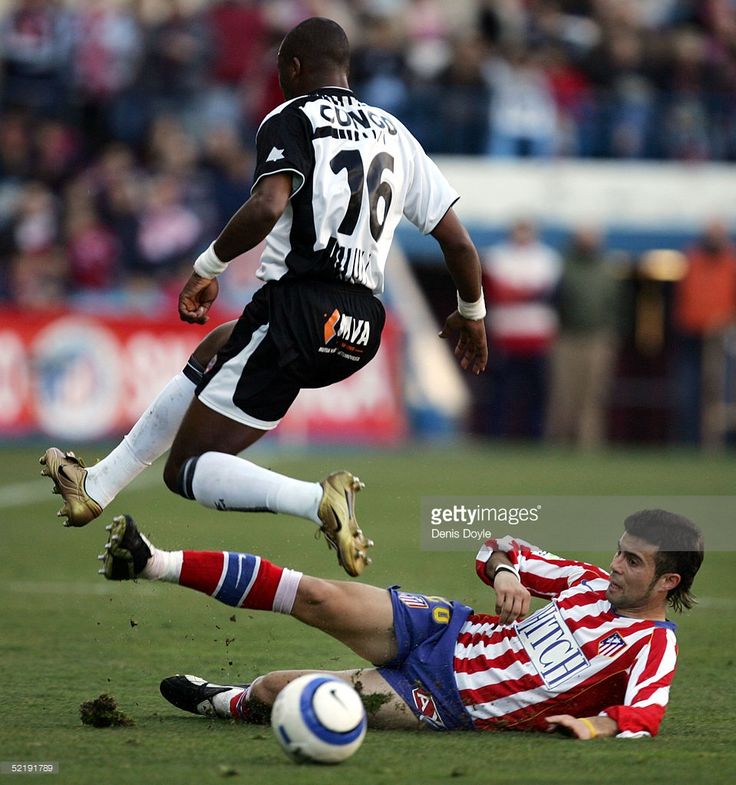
(611, 645)
(276, 154)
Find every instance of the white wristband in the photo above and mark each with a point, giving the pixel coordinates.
(476, 310)
(208, 265)
(507, 568)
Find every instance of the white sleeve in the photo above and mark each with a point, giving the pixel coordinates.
(429, 195)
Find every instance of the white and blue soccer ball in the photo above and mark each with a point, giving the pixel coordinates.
(318, 719)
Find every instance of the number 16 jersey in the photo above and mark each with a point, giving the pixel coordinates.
(356, 170)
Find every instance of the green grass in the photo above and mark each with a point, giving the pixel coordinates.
(68, 636)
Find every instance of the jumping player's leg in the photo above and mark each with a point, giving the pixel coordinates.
(86, 492)
(203, 465)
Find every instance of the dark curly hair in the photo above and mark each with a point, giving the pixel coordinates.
(680, 549)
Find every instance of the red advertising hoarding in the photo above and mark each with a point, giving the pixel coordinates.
(76, 377)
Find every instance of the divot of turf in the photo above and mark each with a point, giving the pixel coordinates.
(103, 712)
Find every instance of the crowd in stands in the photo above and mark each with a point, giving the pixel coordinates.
(127, 126)
(126, 132)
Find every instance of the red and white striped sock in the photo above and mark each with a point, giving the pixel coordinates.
(240, 579)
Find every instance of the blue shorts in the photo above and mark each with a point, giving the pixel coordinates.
(426, 631)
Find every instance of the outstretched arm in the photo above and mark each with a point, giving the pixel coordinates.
(248, 227)
(463, 263)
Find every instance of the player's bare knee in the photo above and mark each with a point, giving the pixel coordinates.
(265, 688)
(171, 475)
(316, 600)
(212, 343)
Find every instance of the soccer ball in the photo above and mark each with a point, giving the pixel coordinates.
(318, 719)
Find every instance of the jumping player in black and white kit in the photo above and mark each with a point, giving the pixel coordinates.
(333, 179)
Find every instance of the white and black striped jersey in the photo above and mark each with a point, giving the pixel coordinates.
(356, 170)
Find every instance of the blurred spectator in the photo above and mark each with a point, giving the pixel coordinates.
(523, 117)
(573, 98)
(171, 150)
(37, 268)
(35, 47)
(169, 232)
(428, 34)
(239, 45)
(625, 94)
(502, 21)
(582, 359)
(108, 52)
(521, 276)
(57, 153)
(118, 186)
(464, 125)
(16, 154)
(694, 83)
(35, 225)
(92, 250)
(38, 279)
(705, 308)
(230, 166)
(378, 68)
(178, 52)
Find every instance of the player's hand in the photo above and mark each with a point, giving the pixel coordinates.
(512, 599)
(196, 298)
(570, 726)
(472, 346)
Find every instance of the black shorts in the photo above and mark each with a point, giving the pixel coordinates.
(295, 333)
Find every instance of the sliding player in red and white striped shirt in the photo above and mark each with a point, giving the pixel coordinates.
(596, 660)
(601, 649)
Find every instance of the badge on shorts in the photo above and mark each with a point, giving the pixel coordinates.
(413, 600)
(425, 705)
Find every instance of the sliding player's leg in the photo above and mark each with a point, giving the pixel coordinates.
(358, 615)
(252, 702)
(87, 491)
(385, 627)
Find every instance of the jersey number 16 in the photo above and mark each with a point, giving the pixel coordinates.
(352, 161)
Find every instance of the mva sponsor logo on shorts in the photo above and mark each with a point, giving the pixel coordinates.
(354, 331)
(551, 646)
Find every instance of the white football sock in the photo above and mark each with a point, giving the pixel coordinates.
(222, 701)
(148, 439)
(226, 482)
(163, 565)
(283, 600)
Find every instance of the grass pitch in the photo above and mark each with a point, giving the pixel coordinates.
(68, 636)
